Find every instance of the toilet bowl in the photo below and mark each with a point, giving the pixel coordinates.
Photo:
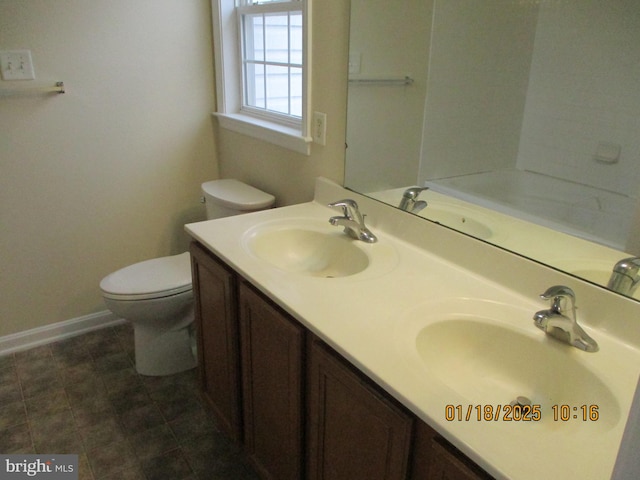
(156, 295)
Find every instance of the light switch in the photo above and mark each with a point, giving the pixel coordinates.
(16, 65)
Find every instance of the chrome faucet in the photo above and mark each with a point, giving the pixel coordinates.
(625, 276)
(410, 202)
(352, 221)
(554, 322)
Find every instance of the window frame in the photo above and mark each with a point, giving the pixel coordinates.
(229, 83)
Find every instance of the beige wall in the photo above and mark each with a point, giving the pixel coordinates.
(288, 175)
(106, 174)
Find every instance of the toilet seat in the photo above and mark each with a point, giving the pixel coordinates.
(155, 278)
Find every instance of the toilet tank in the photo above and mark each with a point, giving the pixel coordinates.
(227, 197)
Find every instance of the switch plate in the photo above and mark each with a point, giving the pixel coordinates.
(320, 128)
(16, 65)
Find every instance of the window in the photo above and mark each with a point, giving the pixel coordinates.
(262, 69)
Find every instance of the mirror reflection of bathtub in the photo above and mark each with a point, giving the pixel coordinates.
(580, 210)
(509, 86)
(532, 214)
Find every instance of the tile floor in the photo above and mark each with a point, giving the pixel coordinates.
(83, 396)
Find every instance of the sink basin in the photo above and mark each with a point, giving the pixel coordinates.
(310, 252)
(490, 353)
(314, 248)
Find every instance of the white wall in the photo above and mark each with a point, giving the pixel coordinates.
(106, 174)
(474, 106)
(583, 91)
(391, 39)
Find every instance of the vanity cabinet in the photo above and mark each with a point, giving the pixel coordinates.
(300, 410)
(215, 302)
(355, 431)
(436, 459)
(272, 350)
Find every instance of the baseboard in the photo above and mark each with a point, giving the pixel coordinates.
(57, 331)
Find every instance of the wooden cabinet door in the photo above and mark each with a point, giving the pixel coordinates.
(354, 431)
(214, 288)
(272, 346)
(436, 459)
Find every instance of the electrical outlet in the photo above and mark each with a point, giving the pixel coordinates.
(320, 128)
(16, 65)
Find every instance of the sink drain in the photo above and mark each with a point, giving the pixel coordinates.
(521, 401)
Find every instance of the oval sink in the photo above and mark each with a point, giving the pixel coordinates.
(309, 252)
(491, 354)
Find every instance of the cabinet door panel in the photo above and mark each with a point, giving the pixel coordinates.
(272, 351)
(354, 431)
(214, 290)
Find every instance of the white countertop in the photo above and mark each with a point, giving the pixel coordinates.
(367, 317)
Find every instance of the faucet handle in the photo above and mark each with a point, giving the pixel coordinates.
(349, 208)
(557, 294)
(413, 192)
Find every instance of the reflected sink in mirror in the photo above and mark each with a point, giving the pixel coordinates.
(491, 353)
(316, 249)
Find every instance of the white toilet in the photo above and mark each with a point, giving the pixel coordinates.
(156, 295)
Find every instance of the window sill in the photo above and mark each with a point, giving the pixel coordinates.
(285, 137)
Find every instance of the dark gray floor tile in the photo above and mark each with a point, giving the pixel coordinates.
(83, 395)
(12, 414)
(140, 419)
(112, 362)
(37, 384)
(47, 404)
(85, 390)
(76, 371)
(10, 392)
(33, 354)
(16, 439)
(55, 433)
(121, 380)
(191, 427)
(129, 400)
(92, 410)
(111, 459)
(171, 465)
(101, 433)
(8, 374)
(7, 361)
(133, 473)
(153, 442)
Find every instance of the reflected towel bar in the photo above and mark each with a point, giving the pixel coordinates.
(399, 81)
(33, 90)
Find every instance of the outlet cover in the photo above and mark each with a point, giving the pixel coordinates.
(16, 65)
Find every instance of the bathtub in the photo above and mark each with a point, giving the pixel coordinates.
(580, 210)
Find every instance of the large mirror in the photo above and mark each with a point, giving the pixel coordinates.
(522, 117)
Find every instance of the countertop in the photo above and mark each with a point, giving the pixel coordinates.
(369, 317)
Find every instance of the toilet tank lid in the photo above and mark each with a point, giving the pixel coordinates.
(236, 195)
(166, 275)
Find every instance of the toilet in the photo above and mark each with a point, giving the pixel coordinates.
(156, 295)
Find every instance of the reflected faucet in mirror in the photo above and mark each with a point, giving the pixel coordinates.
(625, 276)
(527, 115)
(410, 202)
(556, 323)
